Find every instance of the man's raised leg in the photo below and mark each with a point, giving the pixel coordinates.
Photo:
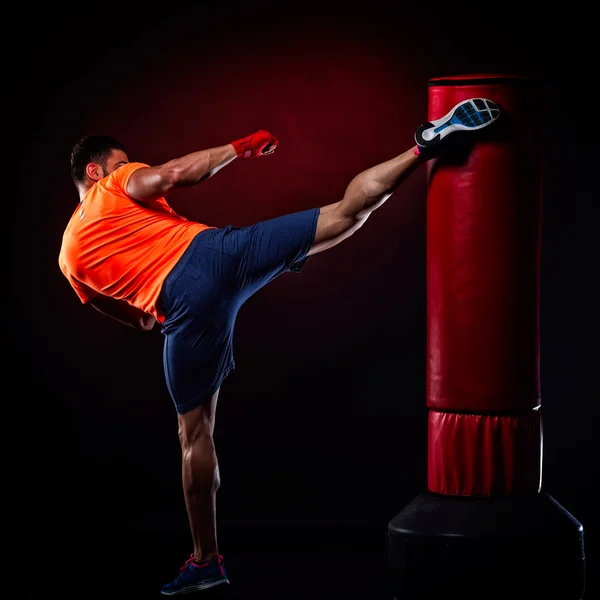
(364, 194)
(371, 188)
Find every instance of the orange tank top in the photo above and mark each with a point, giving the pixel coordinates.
(116, 246)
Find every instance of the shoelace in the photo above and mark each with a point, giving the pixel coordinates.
(187, 562)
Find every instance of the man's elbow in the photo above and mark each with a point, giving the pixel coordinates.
(172, 175)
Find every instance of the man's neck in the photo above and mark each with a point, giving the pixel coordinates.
(82, 192)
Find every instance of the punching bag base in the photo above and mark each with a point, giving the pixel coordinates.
(461, 547)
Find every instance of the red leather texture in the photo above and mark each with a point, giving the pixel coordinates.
(484, 209)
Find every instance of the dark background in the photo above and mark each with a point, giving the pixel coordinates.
(321, 429)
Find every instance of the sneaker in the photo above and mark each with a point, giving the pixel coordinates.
(194, 577)
(468, 115)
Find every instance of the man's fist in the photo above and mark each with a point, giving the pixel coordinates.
(257, 144)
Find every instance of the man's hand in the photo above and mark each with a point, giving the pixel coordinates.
(260, 143)
(124, 313)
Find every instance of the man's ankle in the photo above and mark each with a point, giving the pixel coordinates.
(204, 559)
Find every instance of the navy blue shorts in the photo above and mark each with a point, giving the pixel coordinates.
(201, 297)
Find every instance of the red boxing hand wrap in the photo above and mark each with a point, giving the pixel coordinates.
(257, 144)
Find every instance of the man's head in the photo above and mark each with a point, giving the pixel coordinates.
(94, 157)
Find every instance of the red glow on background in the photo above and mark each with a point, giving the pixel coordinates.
(339, 103)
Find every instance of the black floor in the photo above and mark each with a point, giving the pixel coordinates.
(273, 563)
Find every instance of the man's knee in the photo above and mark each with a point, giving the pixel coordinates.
(197, 425)
(334, 226)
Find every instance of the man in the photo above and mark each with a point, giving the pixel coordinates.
(129, 255)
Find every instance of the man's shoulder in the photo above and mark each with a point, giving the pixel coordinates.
(121, 176)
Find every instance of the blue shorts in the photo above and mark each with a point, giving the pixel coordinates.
(201, 297)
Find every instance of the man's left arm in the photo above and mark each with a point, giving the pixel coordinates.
(124, 313)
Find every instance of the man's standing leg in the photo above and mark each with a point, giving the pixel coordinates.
(200, 477)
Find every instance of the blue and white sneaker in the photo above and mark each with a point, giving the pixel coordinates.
(468, 115)
(194, 577)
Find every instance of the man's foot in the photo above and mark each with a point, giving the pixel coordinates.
(468, 115)
(194, 577)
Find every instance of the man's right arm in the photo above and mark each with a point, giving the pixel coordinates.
(151, 183)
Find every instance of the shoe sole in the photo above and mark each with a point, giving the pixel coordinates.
(468, 115)
(196, 588)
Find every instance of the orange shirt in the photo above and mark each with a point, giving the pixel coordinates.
(116, 246)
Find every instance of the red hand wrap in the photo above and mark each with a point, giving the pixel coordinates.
(256, 144)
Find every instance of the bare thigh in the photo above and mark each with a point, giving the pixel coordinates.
(333, 227)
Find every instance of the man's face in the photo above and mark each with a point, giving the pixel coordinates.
(117, 159)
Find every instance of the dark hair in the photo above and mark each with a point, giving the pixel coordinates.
(91, 148)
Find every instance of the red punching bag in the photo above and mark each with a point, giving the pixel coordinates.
(484, 528)
(483, 255)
